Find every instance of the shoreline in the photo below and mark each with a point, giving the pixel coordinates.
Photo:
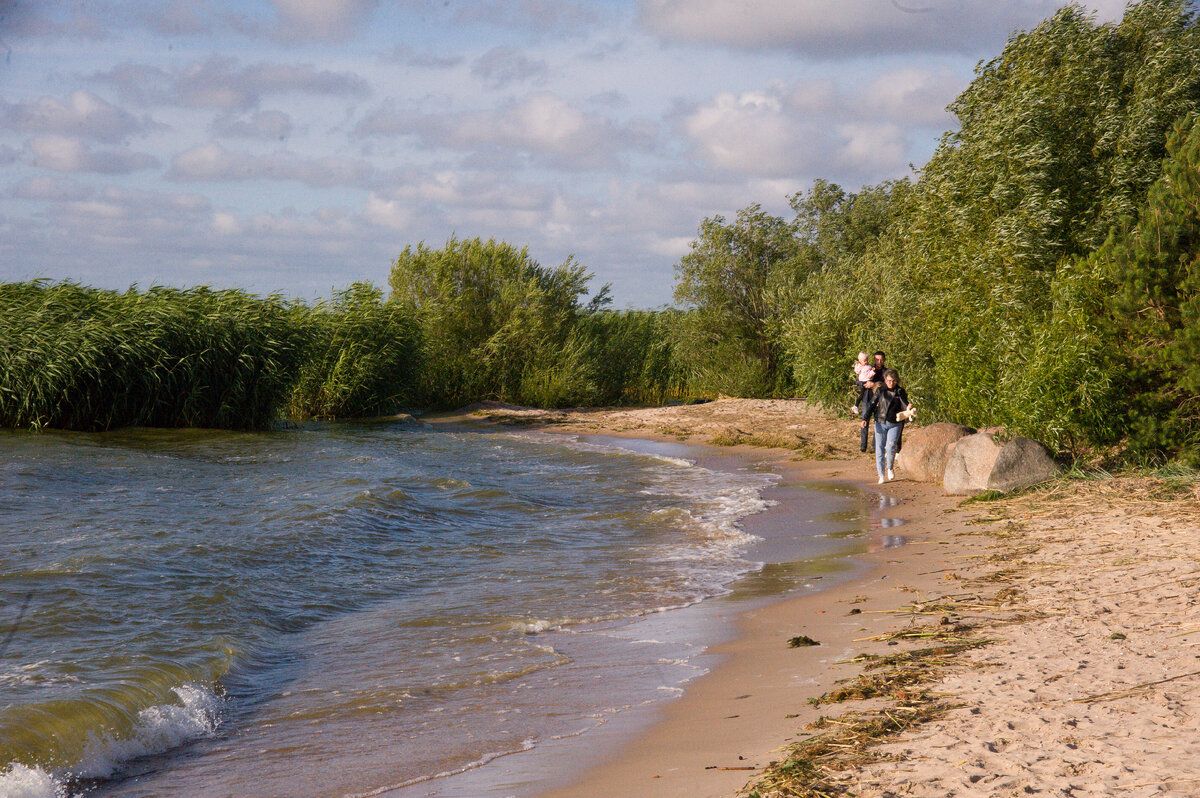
(731, 722)
(1077, 604)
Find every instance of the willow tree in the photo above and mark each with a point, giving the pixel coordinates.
(979, 274)
(737, 283)
(490, 315)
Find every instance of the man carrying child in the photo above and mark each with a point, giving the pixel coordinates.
(868, 376)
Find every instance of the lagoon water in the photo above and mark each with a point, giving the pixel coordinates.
(358, 609)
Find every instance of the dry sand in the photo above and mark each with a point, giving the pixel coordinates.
(1090, 592)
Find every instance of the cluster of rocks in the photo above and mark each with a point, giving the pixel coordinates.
(967, 461)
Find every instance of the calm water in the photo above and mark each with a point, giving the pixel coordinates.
(342, 609)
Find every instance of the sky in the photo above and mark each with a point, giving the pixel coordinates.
(297, 146)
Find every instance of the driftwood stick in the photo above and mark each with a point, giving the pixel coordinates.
(1192, 575)
(1122, 693)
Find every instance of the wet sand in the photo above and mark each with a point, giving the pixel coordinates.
(731, 722)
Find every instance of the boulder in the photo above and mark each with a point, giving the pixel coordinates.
(981, 462)
(926, 450)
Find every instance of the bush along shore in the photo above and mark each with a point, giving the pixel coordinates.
(1038, 273)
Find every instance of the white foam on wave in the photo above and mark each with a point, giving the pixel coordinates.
(19, 781)
(158, 728)
(541, 625)
(574, 442)
(34, 673)
(526, 745)
(719, 499)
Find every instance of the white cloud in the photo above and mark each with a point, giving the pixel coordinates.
(856, 131)
(561, 16)
(51, 188)
(454, 191)
(543, 125)
(225, 223)
(873, 147)
(68, 154)
(845, 29)
(543, 122)
(302, 20)
(387, 213)
(748, 132)
(82, 114)
(914, 95)
(1107, 10)
(403, 54)
(673, 247)
(212, 162)
(118, 237)
(222, 83)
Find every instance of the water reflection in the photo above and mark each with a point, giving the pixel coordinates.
(777, 578)
(857, 529)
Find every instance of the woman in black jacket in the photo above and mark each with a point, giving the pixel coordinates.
(883, 405)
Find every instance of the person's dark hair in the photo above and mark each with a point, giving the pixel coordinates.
(880, 353)
(895, 375)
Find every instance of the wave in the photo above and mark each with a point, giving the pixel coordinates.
(574, 442)
(194, 714)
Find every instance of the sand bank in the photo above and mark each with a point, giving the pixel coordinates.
(1090, 594)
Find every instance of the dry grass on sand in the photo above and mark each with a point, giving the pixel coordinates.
(1068, 662)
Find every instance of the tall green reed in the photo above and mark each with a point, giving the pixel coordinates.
(82, 358)
(362, 356)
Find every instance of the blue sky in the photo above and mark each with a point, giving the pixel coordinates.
(299, 145)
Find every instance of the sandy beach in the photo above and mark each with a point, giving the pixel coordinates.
(1047, 643)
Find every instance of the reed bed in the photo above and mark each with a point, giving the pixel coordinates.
(361, 357)
(81, 358)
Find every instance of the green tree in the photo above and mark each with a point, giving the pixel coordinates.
(488, 312)
(738, 281)
(977, 280)
(838, 225)
(1155, 307)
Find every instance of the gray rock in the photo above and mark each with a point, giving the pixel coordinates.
(980, 462)
(927, 449)
(1022, 462)
(970, 464)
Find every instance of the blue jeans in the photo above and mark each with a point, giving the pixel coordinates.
(887, 437)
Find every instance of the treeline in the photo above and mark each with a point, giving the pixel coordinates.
(1040, 272)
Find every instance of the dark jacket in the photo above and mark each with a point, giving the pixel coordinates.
(883, 404)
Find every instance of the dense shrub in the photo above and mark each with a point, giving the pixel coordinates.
(1154, 308)
(488, 314)
(979, 284)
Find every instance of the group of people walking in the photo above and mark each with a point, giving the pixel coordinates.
(884, 402)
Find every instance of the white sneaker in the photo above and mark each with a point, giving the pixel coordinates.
(882, 480)
(891, 475)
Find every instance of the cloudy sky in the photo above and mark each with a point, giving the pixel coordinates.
(299, 145)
